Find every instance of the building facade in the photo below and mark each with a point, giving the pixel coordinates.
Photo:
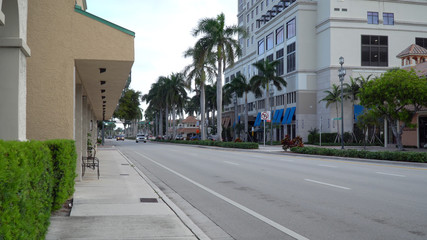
(62, 69)
(308, 37)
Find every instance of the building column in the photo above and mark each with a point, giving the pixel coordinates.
(13, 69)
(78, 129)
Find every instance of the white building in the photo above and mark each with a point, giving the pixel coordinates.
(309, 37)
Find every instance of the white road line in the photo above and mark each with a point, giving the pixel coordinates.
(327, 184)
(241, 207)
(232, 163)
(329, 166)
(391, 174)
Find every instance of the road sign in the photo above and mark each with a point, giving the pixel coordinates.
(265, 115)
(336, 119)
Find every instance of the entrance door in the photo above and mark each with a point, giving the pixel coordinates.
(423, 132)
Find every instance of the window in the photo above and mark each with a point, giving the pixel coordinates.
(252, 27)
(279, 35)
(261, 47)
(422, 42)
(280, 100)
(262, 6)
(247, 18)
(291, 61)
(290, 29)
(266, 3)
(374, 50)
(227, 79)
(252, 40)
(270, 58)
(252, 14)
(269, 41)
(281, 66)
(247, 30)
(247, 42)
(388, 18)
(372, 17)
(291, 97)
(256, 10)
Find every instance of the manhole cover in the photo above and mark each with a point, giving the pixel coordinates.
(148, 200)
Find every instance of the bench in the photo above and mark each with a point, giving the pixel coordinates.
(91, 161)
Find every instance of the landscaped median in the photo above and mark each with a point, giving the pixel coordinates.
(35, 179)
(380, 155)
(242, 145)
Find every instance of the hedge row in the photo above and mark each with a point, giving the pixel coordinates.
(243, 145)
(35, 179)
(381, 155)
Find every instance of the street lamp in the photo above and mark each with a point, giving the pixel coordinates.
(341, 74)
(234, 94)
(271, 110)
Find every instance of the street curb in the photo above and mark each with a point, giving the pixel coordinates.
(181, 215)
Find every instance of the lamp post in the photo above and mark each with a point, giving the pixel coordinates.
(235, 114)
(271, 110)
(341, 74)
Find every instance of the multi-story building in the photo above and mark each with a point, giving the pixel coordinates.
(308, 37)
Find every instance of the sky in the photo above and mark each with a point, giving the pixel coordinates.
(162, 31)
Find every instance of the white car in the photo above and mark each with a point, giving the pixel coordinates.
(141, 138)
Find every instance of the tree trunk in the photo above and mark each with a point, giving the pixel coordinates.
(246, 116)
(202, 111)
(174, 122)
(235, 118)
(161, 123)
(219, 97)
(167, 122)
(397, 133)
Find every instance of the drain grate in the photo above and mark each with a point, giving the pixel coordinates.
(148, 200)
(124, 174)
(125, 164)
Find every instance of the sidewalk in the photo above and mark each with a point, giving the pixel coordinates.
(110, 208)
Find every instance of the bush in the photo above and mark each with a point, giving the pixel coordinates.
(26, 183)
(35, 179)
(64, 159)
(288, 143)
(383, 155)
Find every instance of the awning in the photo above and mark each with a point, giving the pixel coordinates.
(358, 109)
(285, 118)
(238, 121)
(227, 122)
(291, 114)
(278, 116)
(257, 120)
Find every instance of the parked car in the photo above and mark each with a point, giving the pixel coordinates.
(120, 137)
(151, 137)
(179, 137)
(141, 138)
(195, 137)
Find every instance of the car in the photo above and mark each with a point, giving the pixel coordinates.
(195, 137)
(179, 137)
(141, 138)
(120, 137)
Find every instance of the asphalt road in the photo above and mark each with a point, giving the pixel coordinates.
(250, 195)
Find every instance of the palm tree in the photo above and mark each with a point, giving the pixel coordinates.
(211, 100)
(201, 70)
(155, 99)
(267, 74)
(217, 38)
(175, 95)
(241, 86)
(351, 90)
(333, 97)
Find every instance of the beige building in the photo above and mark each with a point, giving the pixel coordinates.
(62, 69)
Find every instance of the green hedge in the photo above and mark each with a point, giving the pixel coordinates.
(64, 158)
(29, 190)
(243, 145)
(381, 155)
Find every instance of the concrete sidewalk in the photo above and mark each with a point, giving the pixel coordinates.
(110, 208)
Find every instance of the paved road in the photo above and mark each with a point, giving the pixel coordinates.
(263, 196)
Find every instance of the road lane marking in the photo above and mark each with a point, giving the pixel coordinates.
(241, 207)
(390, 174)
(329, 166)
(232, 163)
(327, 184)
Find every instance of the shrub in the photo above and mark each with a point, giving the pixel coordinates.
(64, 158)
(25, 189)
(288, 143)
(381, 155)
(238, 140)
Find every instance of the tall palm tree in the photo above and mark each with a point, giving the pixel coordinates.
(241, 86)
(218, 38)
(351, 90)
(154, 98)
(333, 97)
(201, 70)
(211, 100)
(267, 74)
(176, 95)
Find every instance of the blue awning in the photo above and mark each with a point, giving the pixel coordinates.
(276, 114)
(291, 114)
(285, 118)
(279, 116)
(257, 120)
(358, 109)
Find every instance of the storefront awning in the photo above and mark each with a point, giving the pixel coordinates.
(358, 109)
(257, 120)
